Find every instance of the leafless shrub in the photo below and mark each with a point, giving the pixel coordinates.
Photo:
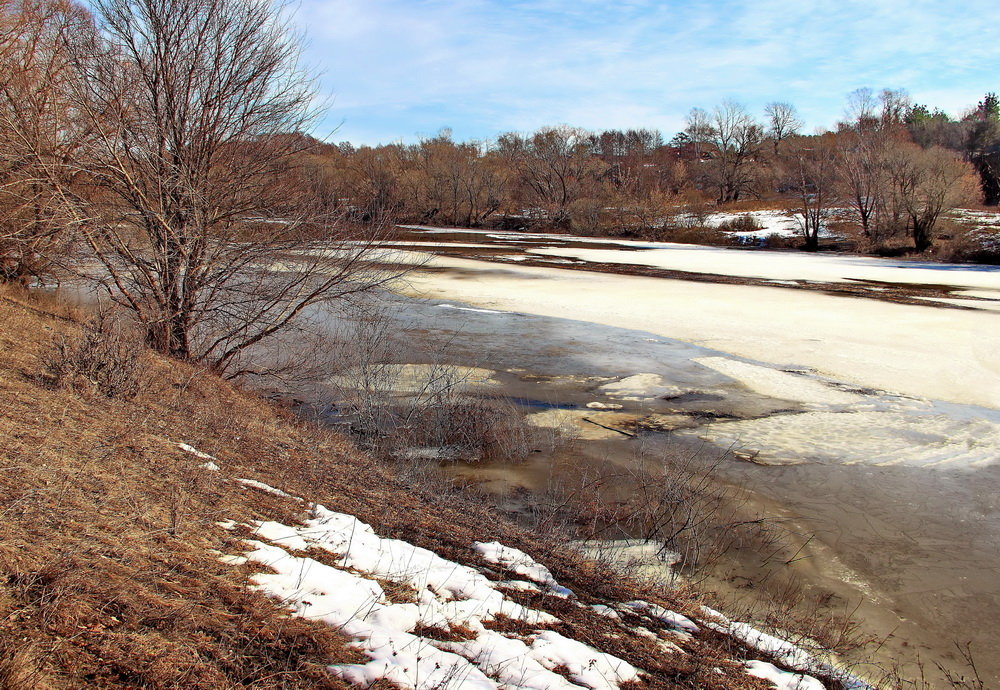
(107, 356)
(675, 503)
(416, 411)
(778, 241)
(685, 233)
(744, 222)
(957, 679)
(472, 428)
(970, 246)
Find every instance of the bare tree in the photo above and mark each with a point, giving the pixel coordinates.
(730, 140)
(863, 180)
(699, 131)
(862, 108)
(928, 182)
(875, 129)
(811, 174)
(454, 183)
(187, 198)
(37, 127)
(555, 167)
(782, 122)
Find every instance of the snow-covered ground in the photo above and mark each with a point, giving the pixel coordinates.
(346, 591)
(986, 220)
(770, 222)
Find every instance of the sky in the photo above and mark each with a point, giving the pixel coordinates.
(401, 70)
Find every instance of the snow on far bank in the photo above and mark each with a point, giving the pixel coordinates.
(777, 266)
(771, 222)
(984, 220)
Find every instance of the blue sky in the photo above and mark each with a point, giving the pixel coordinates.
(397, 70)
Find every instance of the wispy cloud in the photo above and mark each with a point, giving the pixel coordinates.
(398, 69)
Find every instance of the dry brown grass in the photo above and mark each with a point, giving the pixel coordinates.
(108, 569)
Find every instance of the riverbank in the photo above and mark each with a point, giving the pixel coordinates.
(191, 533)
(920, 534)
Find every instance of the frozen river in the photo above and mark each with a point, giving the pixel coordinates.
(865, 392)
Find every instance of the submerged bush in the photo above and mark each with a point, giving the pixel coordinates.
(470, 429)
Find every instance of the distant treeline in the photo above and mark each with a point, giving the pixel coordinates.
(898, 166)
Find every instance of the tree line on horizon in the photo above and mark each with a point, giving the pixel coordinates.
(897, 166)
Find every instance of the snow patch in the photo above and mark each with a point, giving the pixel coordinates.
(640, 387)
(603, 406)
(346, 596)
(584, 664)
(254, 484)
(786, 653)
(195, 452)
(671, 618)
(521, 563)
(782, 680)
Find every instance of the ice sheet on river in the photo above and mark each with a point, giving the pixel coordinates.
(876, 437)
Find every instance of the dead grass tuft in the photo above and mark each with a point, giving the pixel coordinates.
(21, 668)
(106, 357)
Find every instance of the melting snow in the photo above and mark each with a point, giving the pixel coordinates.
(254, 484)
(446, 594)
(674, 620)
(878, 437)
(783, 680)
(195, 452)
(784, 652)
(521, 563)
(345, 593)
(640, 387)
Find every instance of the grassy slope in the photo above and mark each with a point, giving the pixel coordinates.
(109, 573)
